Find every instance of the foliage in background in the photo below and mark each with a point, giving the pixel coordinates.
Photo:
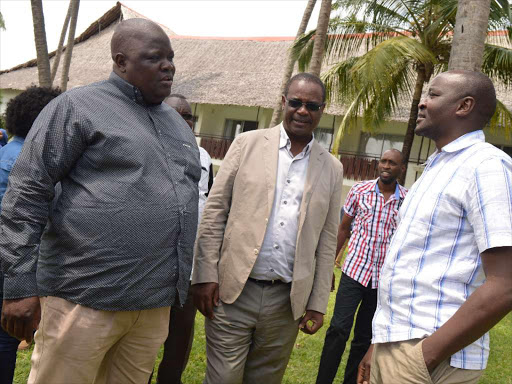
(381, 53)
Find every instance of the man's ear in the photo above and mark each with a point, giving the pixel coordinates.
(466, 106)
(120, 62)
(283, 101)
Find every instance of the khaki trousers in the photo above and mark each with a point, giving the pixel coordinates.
(251, 340)
(402, 362)
(81, 345)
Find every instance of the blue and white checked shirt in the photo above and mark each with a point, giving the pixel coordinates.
(460, 207)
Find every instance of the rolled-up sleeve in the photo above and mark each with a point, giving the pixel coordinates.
(55, 142)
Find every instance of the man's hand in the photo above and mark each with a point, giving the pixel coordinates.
(21, 316)
(206, 295)
(311, 322)
(363, 372)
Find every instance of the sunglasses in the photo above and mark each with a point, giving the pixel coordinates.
(313, 107)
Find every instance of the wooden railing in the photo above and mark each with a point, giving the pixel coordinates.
(357, 167)
(216, 146)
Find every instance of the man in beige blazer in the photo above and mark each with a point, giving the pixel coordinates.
(266, 244)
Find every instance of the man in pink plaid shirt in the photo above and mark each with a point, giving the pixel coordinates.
(373, 207)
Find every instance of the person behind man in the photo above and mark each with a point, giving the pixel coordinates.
(181, 324)
(117, 250)
(373, 207)
(447, 277)
(265, 250)
(20, 114)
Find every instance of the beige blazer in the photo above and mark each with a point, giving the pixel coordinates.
(236, 217)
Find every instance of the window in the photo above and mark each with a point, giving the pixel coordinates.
(323, 136)
(375, 146)
(233, 128)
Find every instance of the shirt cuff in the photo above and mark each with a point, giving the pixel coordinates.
(21, 286)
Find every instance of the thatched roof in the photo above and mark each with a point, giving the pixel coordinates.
(209, 70)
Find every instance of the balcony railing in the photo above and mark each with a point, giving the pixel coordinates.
(358, 167)
(216, 146)
(355, 166)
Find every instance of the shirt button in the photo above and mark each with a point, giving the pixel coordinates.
(266, 220)
(285, 202)
(256, 251)
(276, 246)
(288, 181)
(281, 224)
(271, 270)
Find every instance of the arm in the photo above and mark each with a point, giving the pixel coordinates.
(210, 237)
(52, 147)
(483, 309)
(325, 250)
(343, 232)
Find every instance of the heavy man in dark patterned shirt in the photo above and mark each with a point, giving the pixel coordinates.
(116, 252)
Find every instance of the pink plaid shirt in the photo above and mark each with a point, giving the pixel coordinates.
(375, 221)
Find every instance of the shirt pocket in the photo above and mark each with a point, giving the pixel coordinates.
(7, 165)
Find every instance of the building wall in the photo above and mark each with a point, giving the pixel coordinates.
(5, 96)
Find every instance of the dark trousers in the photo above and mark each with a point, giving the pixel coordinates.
(350, 294)
(8, 349)
(178, 344)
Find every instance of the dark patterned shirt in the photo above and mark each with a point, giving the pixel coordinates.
(121, 232)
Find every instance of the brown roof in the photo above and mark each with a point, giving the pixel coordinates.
(209, 70)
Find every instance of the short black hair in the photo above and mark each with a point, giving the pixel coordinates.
(480, 87)
(307, 77)
(402, 157)
(23, 109)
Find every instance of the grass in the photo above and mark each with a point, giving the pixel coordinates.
(303, 364)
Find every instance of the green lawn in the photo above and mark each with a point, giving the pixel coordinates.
(306, 355)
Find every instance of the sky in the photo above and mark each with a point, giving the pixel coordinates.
(235, 18)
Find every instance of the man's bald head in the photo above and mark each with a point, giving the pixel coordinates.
(143, 57)
(480, 88)
(131, 29)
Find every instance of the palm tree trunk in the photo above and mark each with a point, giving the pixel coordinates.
(61, 41)
(69, 46)
(413, 116)
(320, 37)
(278, 107)
(470, 33)
(43, 62)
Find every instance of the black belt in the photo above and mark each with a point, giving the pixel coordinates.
(267, 282)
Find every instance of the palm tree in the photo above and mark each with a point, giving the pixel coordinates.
(469, 35)
(69, 47)
(2, 22)
(320, 37)
(43, 62)
(382, 52)
(56, 61)
(278, 108)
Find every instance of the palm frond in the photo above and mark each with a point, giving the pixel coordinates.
(497, 63)
(302, 50)
(501, 122)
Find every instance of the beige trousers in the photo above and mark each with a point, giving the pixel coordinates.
(251, 340)
(81, 345)
(402, 362)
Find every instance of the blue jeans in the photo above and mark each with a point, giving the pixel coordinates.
(8, 348)
(350, 295)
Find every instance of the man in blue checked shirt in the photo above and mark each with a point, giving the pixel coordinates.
(447, 277)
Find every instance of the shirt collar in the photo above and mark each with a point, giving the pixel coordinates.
(17, 139)
(464, 141)
(458, 144)
(397, 189)
(129, 90)
(284, 141)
